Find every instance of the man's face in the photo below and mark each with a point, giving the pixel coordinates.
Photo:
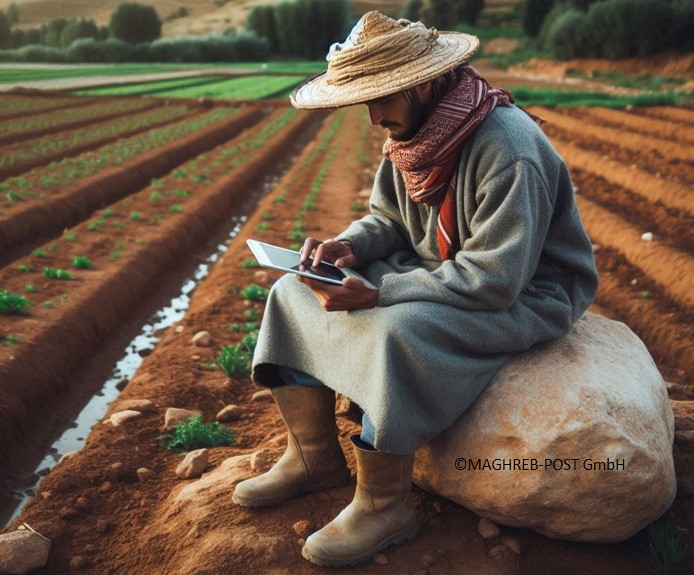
(401, 119)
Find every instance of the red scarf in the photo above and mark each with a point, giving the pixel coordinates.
(428, 161)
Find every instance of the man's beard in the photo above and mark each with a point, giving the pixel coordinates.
(419, 116)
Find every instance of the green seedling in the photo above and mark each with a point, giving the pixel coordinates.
(12, 303)
(135, 216)
(249, 341)
(669, 553)
(82, 263)
(25, 268)
(234, 327)
(267, 216)
(250, 326)
(11, 340)
(14, 197)
(254, 292)
(279, 199)
(56, 274)
(182, 193)
(176, 208)
(262, 227)
(233, 361)
(40, 253)
(30, 288)
(194, 434)
(646, 295)
(96, 224)
(358, 207)
(155, 196)
(251, 314)
(70, 237)
(48, 304)
(107, 213)
(155, 183)
(250, 263)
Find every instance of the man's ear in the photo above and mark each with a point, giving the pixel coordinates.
(424, 90)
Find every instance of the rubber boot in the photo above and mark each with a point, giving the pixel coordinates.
(381, 514)
(313, 460)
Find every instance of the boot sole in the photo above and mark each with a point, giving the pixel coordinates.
(406, 534)
(329, 483)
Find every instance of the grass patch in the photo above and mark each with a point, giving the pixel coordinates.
(554, 98)
(82, 263)
(669, 554)
(12, 303)
(56, 274)
(194, 434)
(11, 340)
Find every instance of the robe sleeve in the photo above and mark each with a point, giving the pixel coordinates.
(498, 260)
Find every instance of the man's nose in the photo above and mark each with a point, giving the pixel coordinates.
(376, 115)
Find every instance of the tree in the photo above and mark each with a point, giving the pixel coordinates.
(76, 29)
(133, 23)
(13, 14)
(5, 31)
(53, 31)
(468, 11)
(261, 20)
(534, 12)
(413, 10)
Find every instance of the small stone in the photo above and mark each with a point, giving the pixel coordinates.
(79, 562)
(263, 394)
(123, 416)
(500, 552)
(104, 487)
(380, 559)
(89, 548)
(596, 248)
(196, 357)
(634, 282)
(229, 413)
(647, 237)
(301, 541)
(46, 494)
(144, 474)
(512, 544)
(83, 504)
(193, 464)
(117, 465)
(141, 405)
(23, 551)
(102, 526)
(437, 506)
(202, 339)
(303, 528)
(261, 277)
(179, 329)
(488, 529)
(427, 560)
(175, 415)
(68, 512)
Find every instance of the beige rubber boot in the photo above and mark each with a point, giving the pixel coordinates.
(381, 513)
(313, 460)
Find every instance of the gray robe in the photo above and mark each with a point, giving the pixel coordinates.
(441, 330)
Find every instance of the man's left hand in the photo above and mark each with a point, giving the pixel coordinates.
(352, 294)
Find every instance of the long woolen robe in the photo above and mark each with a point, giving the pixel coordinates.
(441, 330)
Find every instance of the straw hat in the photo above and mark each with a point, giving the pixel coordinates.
(380, 57)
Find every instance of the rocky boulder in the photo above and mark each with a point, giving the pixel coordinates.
(572, 439)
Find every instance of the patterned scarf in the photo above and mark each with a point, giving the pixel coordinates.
(428, 161)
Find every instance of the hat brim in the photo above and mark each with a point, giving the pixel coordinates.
(451, 50)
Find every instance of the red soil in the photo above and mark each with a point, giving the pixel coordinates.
(127, 526)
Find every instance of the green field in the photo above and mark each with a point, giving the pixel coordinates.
(150, 88)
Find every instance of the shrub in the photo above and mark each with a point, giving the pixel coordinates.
(134, 23)
(567, 37)
(533, 15)
(12, 304)
(194, 434)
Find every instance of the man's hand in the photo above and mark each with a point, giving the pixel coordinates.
(331, 251)
(352, 294)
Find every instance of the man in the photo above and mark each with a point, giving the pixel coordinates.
(473, 251)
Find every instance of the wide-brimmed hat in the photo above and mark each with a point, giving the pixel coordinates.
(380, 57)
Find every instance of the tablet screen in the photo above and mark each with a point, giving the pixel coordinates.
(289, 260)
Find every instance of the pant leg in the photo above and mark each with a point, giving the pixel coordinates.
(295, 377)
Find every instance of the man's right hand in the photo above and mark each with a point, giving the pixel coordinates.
(332, 251)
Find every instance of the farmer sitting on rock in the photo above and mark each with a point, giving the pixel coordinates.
(473, 251)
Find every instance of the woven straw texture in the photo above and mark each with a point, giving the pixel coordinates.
(380, 57)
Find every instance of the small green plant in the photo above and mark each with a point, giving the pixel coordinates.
(155, 183)
(25, 268)
(40, 253)
(251, 314)
(249, 341)
(279, 199)
(70, 237)
(356, 207)
(48, 304)
(12, 303)
(107, 213)
(82, 263)
(646, 295)
(176, 209)
(250, 263)
(200, 179)
(254, 292)
(267, 216)
(262, 227)
(96, 224)
(297, 235)
(11, 340)
(135, 216)
(14, 196)
(233, 361)
(234, 327)
(668, 552)
(179, 173)
(56, 274)
(30, 288)
(182, 193)
(155, 197)
(194, 434)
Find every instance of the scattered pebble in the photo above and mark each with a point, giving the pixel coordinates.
(175, 415)
(23, 551)
(488, 529)
(193, 465)
(229, 413)
(427, 560)
(303, 528)
(634, 282)
(83, 504)
(79, 562)
(145, 474)
(102, 526)
(301, 541)
(179, 329)
(261, 277)
(141, 405)
(512, 544)
(195, 357)
(380, 559)
(104, 487)
(647, 237)
(261, 395)
(437, 507)
(500, 552)
(123, 416)
(202, 339)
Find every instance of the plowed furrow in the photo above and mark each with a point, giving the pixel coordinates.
(660, 128)
(682, 115)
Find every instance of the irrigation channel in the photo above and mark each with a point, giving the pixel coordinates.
(170, 303)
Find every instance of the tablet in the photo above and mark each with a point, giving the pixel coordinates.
(278, 258)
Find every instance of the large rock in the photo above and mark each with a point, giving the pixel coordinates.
(23, 551)
(572, 439)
